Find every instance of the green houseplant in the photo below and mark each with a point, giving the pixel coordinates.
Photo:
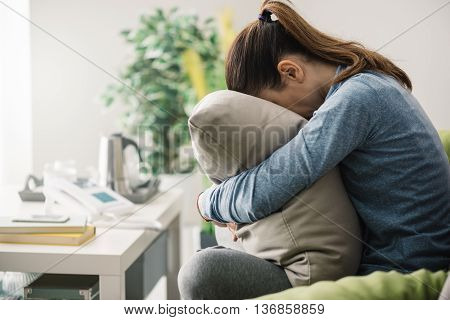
(177, 60)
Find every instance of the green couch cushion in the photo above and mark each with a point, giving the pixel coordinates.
(445, 138)
(392, 285)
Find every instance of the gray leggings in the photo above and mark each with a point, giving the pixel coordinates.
(221, 273)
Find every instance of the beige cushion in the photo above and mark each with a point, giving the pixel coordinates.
(315, 235)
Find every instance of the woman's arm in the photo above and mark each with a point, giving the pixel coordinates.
(340, 125)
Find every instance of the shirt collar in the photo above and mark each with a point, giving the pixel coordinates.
(335, 86)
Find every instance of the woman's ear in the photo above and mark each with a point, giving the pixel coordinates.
(290, 70)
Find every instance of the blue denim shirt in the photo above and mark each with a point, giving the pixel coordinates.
(393, 166)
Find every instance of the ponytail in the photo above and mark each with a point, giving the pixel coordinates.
(280, 30)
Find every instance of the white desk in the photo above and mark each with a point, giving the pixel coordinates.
(109, 255)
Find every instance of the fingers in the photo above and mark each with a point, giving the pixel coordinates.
(219, 224)
(233, 227)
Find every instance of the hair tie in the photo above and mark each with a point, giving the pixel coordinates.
(267, 16)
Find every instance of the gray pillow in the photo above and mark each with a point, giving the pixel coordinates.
(315, 235)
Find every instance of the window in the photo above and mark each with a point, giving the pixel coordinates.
(15, 93)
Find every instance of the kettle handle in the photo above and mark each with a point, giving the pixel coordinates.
(127, 142)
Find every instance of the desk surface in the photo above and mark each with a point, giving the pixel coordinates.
(111, 252)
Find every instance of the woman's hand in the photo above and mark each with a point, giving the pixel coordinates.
(233, 228)
(231, 225)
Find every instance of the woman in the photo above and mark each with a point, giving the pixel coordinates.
(362, 117)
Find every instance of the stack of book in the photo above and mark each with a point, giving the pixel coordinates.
(73, 232)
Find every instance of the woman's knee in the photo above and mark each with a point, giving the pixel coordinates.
(222, 273)
(196, 279)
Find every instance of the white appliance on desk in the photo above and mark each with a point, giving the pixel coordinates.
(102, 206)
(84, 196)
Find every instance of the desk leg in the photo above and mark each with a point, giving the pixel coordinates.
(173, 259)
(112, 287)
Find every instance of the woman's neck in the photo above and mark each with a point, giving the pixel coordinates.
(325, 74)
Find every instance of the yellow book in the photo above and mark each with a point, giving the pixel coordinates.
(67, 239)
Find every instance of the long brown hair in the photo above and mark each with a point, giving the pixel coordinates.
(253, 57)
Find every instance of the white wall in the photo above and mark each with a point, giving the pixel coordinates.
(423, 52)
(68, 118)
(15, 94)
